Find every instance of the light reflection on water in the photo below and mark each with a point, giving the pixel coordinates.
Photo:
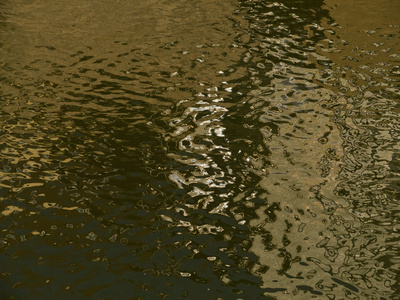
(159, 150)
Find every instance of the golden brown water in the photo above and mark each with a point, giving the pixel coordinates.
(199, 149)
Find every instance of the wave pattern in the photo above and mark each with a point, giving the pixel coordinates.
(330, 128)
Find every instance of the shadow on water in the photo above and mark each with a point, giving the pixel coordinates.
(172, 149)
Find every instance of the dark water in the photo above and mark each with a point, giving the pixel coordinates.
(200, 149)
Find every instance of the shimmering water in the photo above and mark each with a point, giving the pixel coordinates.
(200, 149)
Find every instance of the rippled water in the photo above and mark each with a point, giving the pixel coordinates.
(200, 149)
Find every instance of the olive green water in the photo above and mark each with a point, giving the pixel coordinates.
(200, 149)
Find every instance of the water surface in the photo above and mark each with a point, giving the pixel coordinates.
(171, 149)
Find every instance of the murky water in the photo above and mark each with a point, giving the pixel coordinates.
(200, 149)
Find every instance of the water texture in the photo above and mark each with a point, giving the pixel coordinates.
(200, 149)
